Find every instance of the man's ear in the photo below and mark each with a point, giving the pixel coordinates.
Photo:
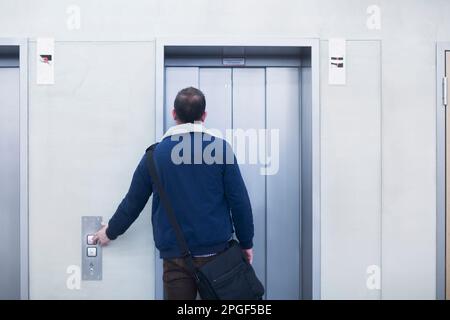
(174, 114)
(203, 116)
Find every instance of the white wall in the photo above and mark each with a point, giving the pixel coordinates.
(378, 198)
(87, 134)
(351, 173)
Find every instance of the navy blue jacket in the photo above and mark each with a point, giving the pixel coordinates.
(208, 200)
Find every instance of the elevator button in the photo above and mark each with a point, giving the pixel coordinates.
(90, 239)
(91, 252)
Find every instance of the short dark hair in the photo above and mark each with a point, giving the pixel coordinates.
(190, 104)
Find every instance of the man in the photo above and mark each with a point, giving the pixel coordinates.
(202, 194)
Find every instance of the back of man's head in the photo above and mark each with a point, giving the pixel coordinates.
(190, 104)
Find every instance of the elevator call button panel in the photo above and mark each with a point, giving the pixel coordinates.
(91, 252)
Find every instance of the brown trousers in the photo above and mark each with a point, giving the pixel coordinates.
(179, 284)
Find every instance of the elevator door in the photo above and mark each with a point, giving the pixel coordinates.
(258, 98)
(9, 184)
(447, 169)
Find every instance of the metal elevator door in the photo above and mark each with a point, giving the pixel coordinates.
(258, 98)
(9, 184)
(447, 145)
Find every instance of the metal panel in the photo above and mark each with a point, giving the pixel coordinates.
(14, 52)
(447, 174)
(283, 187)
(442, 50)
(9, 184)
(249, 114)
(311, 44)
(177, 79)
(258, 56)
(9, 56)
(24, 259)
(91, 253)
(440, 172)
(307, 224)
(216, 85)
(255, 61)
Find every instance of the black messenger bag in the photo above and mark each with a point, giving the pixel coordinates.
(228, 275)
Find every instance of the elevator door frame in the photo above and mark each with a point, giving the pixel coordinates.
(441, 202)
(22, 43)
(313, 45)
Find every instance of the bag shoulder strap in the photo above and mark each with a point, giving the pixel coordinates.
(182, 244)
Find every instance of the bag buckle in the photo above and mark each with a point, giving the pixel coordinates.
(191, 262)
(186, 254)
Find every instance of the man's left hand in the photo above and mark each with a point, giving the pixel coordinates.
(248, 254)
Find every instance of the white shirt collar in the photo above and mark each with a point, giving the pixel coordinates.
(187, 128)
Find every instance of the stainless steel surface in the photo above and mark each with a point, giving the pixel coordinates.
(244, 98)
(9, 183)
(216, 85)
(283, 187)
(91, 254)
(177, 79)
(249, 104)
(440, 172)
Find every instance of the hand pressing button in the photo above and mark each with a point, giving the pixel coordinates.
(90, 240)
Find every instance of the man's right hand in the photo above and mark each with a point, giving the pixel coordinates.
(248, 254)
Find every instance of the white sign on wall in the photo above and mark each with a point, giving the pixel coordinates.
(336, 61)
(45, 60)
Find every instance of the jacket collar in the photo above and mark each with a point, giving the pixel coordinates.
(187, 128)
